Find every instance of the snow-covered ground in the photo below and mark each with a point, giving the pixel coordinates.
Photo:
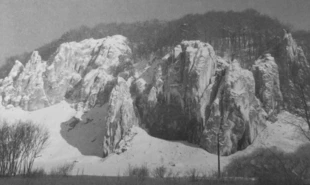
(178, 156)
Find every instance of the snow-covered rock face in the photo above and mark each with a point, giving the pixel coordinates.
(85, 74)
(120, 119)
(295, 53)
(171, 105)
(267, 85)
(80, 71)
(293, 68)
(235, 113)
(77, 71)
(24, 86)
(193, 93)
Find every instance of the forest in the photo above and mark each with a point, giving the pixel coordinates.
(244, 35)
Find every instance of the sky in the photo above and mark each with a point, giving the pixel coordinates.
(28, 24)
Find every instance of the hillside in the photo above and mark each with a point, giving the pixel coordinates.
(242, 33)
(163, 96)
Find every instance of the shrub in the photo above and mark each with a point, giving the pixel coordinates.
(20, 145)
(141, 173)
(160, 172)
(173, 178)
(273, 166)
(38, 172)
(193, 175)
(62, 170)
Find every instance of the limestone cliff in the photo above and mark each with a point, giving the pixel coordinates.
(190, 94)
(24, 86)
(267, 85)
(81, 71)
(195, 95)
(173, 104)
(294, 69)
(120, 119)
(86, 75)
(235, 113)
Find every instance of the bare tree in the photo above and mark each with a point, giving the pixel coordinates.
(302, 86)
(301, 91)
(218, 148)
(20, 145)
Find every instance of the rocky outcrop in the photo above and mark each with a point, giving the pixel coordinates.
(190, 94)
(120, 119)
(80, 71)
(295, 56)
(267, 85)
(293, 70)
(24, 86)
(195, 95)
(7, 88)
(235, 114)
(173, 96)
(87, 75)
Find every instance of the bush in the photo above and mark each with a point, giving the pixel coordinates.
(160, 172)
(141, 173)
(38, 172)
(193, 175)
(273, 166)
(20, 145)
(173, 178)
(62, 170)
(275, 179)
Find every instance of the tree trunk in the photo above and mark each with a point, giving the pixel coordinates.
(218, 155)
(304, 101)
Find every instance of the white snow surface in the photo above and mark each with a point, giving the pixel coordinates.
(144, 149)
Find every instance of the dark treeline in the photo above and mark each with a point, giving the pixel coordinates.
(245, 35)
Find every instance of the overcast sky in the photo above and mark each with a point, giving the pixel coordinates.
(28, 24)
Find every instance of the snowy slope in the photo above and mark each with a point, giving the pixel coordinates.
(144, 149)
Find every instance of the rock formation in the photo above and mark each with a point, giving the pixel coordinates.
(80, 71)
(295, 57)
(235, 113)
(120, 119)
(190, 94)
(267, 85)
(293, 69)
(24, 86)
(86, 75)
(175, 93)
(194, 95)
